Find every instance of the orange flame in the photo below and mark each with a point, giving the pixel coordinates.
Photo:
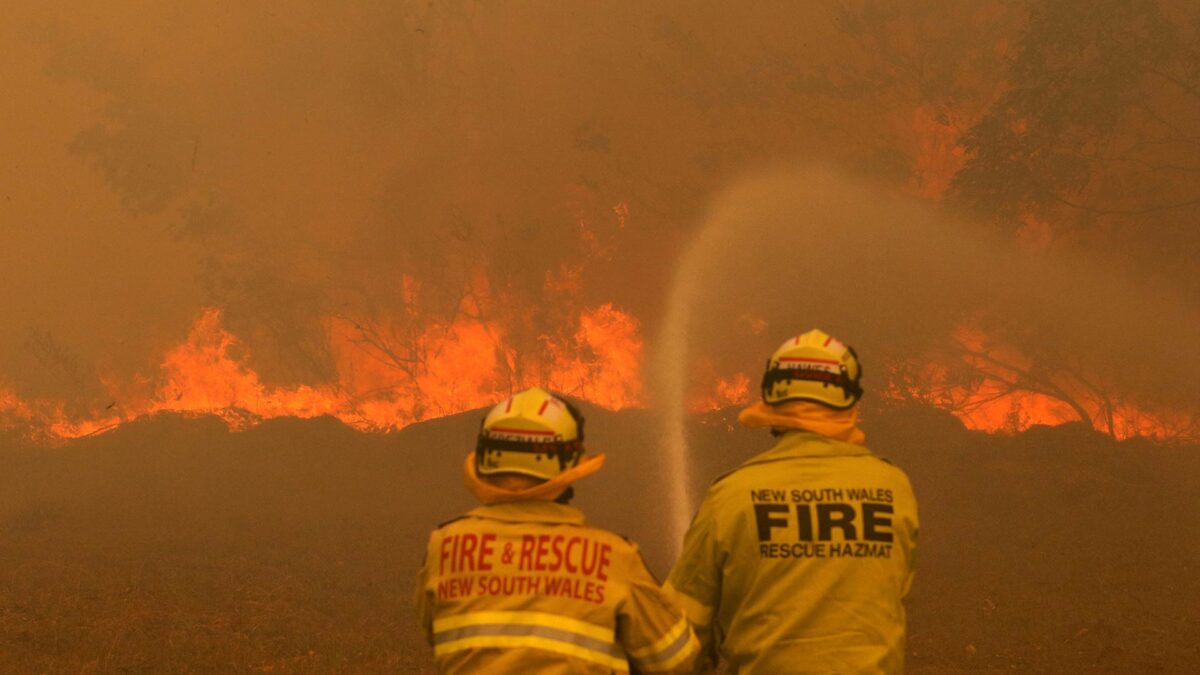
(202, 375)
(605, 362)
(938, 155)
(714, 392)
(467, 364)
(993, 400)
(457, 366)
(395, 370)
(14, 412)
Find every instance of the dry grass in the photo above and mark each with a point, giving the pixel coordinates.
(174, 546)
(209, 559)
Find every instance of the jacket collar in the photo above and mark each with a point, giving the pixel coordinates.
(807, 444)
(529, 511)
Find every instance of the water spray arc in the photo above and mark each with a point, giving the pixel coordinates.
(672, 375)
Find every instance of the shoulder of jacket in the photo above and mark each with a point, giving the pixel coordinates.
(625, 539)
(449, 522)
(891, 465)
(617, 537)
(895, 469)
(722, 477)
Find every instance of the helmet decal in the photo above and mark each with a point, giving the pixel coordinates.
(534, 433)
(816, 367)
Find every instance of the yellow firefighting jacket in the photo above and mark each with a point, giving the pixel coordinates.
(526, 587)
(797, 561)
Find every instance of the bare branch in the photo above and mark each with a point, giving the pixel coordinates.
(1125, 212)
(1182, 84)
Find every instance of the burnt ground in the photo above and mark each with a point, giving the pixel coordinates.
(173, 545)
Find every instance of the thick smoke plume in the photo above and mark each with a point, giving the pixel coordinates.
(301, 165)
(286, 164)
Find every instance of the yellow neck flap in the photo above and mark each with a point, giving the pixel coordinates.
(841, 425)
(547, 491)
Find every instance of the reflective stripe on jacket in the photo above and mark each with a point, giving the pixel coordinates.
(798, 560)
(526, 587)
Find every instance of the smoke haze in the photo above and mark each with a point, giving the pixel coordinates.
(289, 164)
(808, 248)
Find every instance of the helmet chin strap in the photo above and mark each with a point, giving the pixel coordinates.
(840, 380)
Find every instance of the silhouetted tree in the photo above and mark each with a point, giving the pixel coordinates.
(1099, 130)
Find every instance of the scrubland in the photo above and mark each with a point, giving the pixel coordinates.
(174, 545)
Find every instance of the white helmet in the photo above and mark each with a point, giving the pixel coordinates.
(813, 367)
(534, 433)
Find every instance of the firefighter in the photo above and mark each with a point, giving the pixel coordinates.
(797, 561)
(520, 584)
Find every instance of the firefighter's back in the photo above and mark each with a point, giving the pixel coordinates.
(815, 547)
(528, 588)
